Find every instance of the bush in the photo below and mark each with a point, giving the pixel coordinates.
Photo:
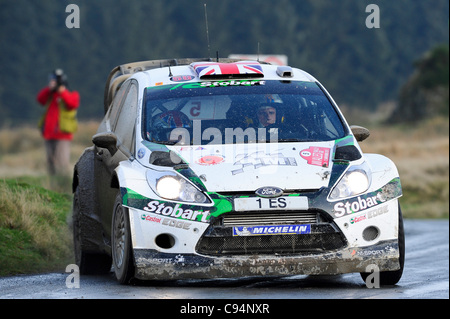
(426, 94)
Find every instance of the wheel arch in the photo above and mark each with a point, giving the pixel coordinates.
(383, 170)
(86, 216)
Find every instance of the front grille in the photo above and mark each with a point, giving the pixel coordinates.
(259, 219)
(218, 240)
(277, 244)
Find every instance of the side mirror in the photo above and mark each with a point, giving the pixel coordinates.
(106, 140)
(360, 133)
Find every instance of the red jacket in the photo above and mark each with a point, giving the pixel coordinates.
(50, 129)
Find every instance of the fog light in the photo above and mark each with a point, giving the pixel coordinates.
(165, 241)
(371, 233)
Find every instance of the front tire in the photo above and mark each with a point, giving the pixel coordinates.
(121, 248)
(391, 278)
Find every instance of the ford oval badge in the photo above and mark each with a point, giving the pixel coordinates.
(269, 192)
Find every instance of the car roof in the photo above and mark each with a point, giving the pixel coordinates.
(170, 71)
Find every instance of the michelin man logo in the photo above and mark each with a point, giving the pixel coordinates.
(243, 232)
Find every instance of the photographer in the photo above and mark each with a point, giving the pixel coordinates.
(59, 121)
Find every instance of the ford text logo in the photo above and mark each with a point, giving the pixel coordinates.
(269, 191)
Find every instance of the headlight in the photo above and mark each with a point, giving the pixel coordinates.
(170, 186)
(354, 182)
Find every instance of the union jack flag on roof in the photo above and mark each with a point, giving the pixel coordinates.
(213, 69)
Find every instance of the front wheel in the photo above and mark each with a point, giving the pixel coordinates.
(122, 252)
(393, 277)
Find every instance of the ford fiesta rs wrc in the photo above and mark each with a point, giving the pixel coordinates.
(228, 169)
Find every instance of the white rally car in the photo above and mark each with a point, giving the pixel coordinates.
(220, 169)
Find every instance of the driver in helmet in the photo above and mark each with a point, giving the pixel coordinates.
(164, 124)
(267, 115)
(270, 111)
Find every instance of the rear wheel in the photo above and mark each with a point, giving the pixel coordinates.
(122, 252)
(89, 262)
(393, 277)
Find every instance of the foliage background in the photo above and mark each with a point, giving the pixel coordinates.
(361, 67)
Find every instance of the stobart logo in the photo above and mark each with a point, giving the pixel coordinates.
(176, 212)
(340, 209)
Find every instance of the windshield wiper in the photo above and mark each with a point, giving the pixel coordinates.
(294, 140)
(165, 142)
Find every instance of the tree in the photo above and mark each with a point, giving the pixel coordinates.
(426, 93)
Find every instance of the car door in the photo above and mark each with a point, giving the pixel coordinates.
(122, 119)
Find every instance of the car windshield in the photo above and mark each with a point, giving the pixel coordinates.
(239, 111)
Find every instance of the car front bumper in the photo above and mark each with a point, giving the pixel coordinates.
(154, 265)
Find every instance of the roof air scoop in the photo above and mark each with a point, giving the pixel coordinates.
(285, 72)
(237, 70)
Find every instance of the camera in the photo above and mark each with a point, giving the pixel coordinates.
(59, 77)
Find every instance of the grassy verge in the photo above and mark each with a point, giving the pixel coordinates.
(34, 207)
(34, 232)
(421, 154)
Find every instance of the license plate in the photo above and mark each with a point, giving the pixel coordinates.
(279, 203)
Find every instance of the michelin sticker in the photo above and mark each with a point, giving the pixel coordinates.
(272, 230)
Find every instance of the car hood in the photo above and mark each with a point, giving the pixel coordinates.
(247, 167)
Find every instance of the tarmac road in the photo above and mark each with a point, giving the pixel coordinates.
(426, 276)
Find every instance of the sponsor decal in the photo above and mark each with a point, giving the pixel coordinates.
(272, 230)
(176, 211)
(378, 211)
(351, 207)
(208, 84)
(269, 192)
(370, 214)
(178, 259)
(357, 219)
(150, 218)
(367, 253)
(319, 156)
(141, 153)
(182, 78)
(167, 221)
(261, 159)
(211, 160)
(232, 83)
(132, 199)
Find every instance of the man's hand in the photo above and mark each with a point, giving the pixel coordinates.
(52, 85)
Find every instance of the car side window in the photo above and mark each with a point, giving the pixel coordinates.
(125, 126)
